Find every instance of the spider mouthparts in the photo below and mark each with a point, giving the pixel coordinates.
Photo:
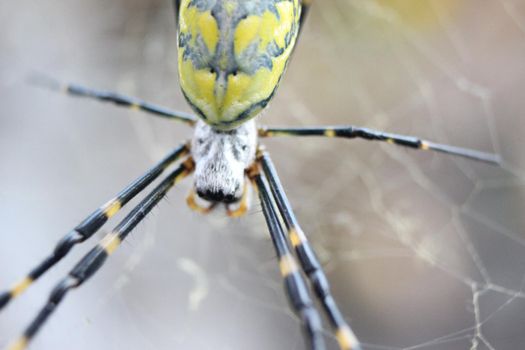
(218, 196)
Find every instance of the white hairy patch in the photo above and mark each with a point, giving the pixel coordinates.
(221, 158)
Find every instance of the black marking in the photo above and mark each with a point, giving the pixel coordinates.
(5, 297)
(56, 296)
(194, 107)
(89, 264)
(250, 60)
(62, 248)
(202, 5)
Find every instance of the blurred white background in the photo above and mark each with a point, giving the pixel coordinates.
(423, 251)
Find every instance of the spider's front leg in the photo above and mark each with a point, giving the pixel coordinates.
(116, 98)
(91, 224)
(273, 199)
(351, 132)
(94, 259)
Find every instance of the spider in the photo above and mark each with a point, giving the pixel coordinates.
(232, 55)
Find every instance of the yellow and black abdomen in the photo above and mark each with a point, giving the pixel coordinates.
(232, 54)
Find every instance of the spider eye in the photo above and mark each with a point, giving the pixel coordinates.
(200, 141)
(244, 147)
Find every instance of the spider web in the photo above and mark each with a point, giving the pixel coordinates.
(423, 251)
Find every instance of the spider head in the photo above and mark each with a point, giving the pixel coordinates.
(221, 158)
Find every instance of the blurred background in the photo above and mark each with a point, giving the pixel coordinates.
(423, 251)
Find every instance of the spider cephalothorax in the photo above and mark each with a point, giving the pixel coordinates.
(221, 158)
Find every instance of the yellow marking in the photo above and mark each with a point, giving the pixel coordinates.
(346, 339)
(263, 132)
(110, 243)
(243, 207)
(287, 265)
(246, 32)
(112, 207)
(223, 101)
(424, 146)
(391, 141)
(135, 106)
(18, 344)
(208, 28)
(21, 286)
(297, 237)
(329, 133)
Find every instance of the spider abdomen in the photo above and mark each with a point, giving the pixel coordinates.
(232, 54)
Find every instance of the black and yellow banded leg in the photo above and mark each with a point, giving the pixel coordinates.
(294, 282)
(94, 259)
(92, 224)
(113, 97)
(348, 131)
(307, 258)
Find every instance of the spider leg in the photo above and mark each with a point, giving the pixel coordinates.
(348, 131)
(94, 259)
(307, 258)
(294, 282)
(92, 224)
(118, 99)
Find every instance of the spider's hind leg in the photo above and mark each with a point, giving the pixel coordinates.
(76, 90)
(307, 257)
